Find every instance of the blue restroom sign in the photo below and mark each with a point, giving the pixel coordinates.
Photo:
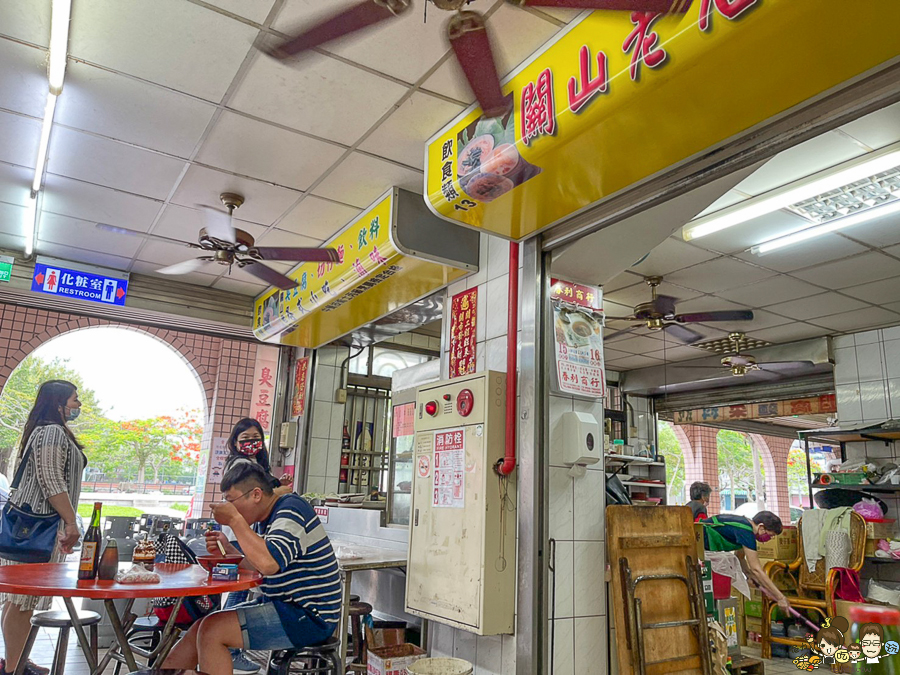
(77, 284)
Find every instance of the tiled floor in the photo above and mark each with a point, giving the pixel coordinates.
(773, 666)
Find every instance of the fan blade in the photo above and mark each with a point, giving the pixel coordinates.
(703, 317)
(185, 267)
(298, 254)
(472, 46)
(665, 304)
(219, 225)
(622, 318)
(682, 333)
(778, 366)
(357, 17)
(628, 331)
(270, 276)
(144, 235)
(665, 6)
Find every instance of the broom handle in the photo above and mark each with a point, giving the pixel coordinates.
(793, 611)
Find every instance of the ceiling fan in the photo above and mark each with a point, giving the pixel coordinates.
(225, 244)
(466, 33)
(659, 314)
(741, 364)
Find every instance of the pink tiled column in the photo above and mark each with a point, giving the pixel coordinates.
(702, 441)
(773, 451)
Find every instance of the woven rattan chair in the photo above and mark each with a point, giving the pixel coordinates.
(808, 590)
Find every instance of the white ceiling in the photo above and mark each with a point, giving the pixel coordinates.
(841, 282)
(166, 105)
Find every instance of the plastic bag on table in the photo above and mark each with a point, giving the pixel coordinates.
(347, 553)
(137, 574)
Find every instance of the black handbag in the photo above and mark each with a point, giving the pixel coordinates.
(26, 536)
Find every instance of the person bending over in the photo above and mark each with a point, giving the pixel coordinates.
(281, 537)
(739, 535)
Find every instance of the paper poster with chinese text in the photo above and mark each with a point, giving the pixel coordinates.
(449, 469)
(463, 312)
(578, 339)
(265, 375)
(219, 456)
(404, 420)
(298, 406)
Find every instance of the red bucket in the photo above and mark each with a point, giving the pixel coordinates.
(721, 586)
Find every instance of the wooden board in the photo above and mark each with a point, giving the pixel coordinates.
(655, 541)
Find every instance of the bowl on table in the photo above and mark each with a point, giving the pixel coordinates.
(207, 562)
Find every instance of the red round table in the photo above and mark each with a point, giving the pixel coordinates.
(61, 580)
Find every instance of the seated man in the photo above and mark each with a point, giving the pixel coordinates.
(282, 538)
(738, 534)
(700, 493)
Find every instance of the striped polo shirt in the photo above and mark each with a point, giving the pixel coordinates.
(307, 574)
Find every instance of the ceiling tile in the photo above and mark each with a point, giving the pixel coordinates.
(707, 303)
(615, 309)
(195, 278)
(126, 109)
(717, 275)
(729, 198)
(770, 291)
(802, 160)
(880, 232)
(677, 353)
(267, 152)
(878, 292)
(670, 256)
(624, 280)
(360, 180)
(634, 362)
(826, 248)
(815, 306)
(403, 136)
(15, 184)
(789, 332)
(62, 230)
(240, 286)
(639, 293)
(257, 10)
(19, 139)
(318, 218)
(448, 81)
(612, 354)
(171, 42)
(318, 95)
(761, 319)
(97, 160)
(12, 219)
(876, 129)
(639, 343)
(263, 203)
(28, 21)
(12, 242)
(276, 237)
(859, 319)
(23, 76)
(161, 254)
(179, 222)
(82, 255)
(68, 197)
(741, 237)
(853, 271)
(378, 48)
(567, 15)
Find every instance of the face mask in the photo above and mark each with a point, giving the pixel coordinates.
(250, 448)
(72, 414)
(763, 538)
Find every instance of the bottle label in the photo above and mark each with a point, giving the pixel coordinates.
(88, 551)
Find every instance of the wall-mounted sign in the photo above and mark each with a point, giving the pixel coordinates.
(619, 96)
(396, 252)
(578, 339)
(463, 319)
(818, 405)
(301, 373)
(262, 400)
(79, 284)
(219, 457)
(6, 265)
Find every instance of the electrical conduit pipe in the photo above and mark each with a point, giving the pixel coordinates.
(507, 465)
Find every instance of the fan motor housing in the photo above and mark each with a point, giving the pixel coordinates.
(244, 240)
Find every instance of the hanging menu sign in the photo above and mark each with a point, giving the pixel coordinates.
(298, 405)
(463, 312)
(578, 339)
(449, 469)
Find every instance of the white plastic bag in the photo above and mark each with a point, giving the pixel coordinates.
(137, 574)
(884, 591)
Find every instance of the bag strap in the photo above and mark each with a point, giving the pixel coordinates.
(20, 470)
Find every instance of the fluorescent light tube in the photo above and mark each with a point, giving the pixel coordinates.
(825, 228)
(792, 193)
(59, 43)
(45, 141)
(30, 224)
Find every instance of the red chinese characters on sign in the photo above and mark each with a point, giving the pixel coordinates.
(538, 113)
(730, 9)
(576, 294)
(298, 405)
(463, 313)
(263, 393)
(643, 44)
(828, 403)
(585, 87)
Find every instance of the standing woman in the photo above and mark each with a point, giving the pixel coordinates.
(51, 482)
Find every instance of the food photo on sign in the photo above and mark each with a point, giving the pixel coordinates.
(578, 338)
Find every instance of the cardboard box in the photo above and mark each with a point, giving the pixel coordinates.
(870, 547)
(386, 634)
(727, 611)
(781, 547)
(393, 660)
(880, 530)
(753, 624)
(753, 608)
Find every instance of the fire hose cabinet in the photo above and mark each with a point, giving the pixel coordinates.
(462, 539)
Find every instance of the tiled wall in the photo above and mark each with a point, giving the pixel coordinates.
(327, 426)
(224, 368)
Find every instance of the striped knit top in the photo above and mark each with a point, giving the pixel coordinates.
(307, 568)
(55, 466)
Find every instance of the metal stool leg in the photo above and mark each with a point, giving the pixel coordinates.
(95, 641)
(59, 658)
(26, 650)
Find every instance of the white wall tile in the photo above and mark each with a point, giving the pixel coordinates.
(481, 276)
(331, 485)
(565, 579)
(315, 484)
(869, 363)
(564, 648)
(336, 429)
(496, 306)
(465, 646)
(866, 338)
(489, 655)
(558, 406)
(842, 341)
(561, 505)
(333, 467)
(318, 457)
(892, 358)
(321, 420)
(845, 371)
(892, 333)
(848, 403)
(509, 654)
(590, 579)
(873, 400)
(591, 642)
(481, 314)
(325, 378)
(456, 287)
(589, 501)
(894, 398)
(495, 354)
(498, 257)
(442, 638)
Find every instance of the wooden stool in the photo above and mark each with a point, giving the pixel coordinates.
(358, 611)
(62, 621)
(321, 659)
(145, 633)
(747, 665)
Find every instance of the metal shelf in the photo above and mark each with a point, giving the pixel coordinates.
(628, 459)
(861, 488)
(632, 483)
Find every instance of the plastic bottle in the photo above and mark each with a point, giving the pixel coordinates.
(889, 620)
(90, 547)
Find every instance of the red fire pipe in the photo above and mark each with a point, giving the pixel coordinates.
(508, 464)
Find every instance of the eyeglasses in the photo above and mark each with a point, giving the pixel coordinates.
(232, 501)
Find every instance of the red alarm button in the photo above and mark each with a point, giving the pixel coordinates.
(431, 408)
(465, 402)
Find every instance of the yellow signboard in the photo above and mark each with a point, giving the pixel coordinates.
(620, 97)
(372, 277)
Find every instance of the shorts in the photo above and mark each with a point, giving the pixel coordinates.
(263, 629)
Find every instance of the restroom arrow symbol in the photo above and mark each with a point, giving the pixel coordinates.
(40, 278)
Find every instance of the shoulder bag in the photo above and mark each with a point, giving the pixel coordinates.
(26, 536)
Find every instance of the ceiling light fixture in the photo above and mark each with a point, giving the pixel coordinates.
(45, 141)
(798, 191)
(30, 224)
(832, 225)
